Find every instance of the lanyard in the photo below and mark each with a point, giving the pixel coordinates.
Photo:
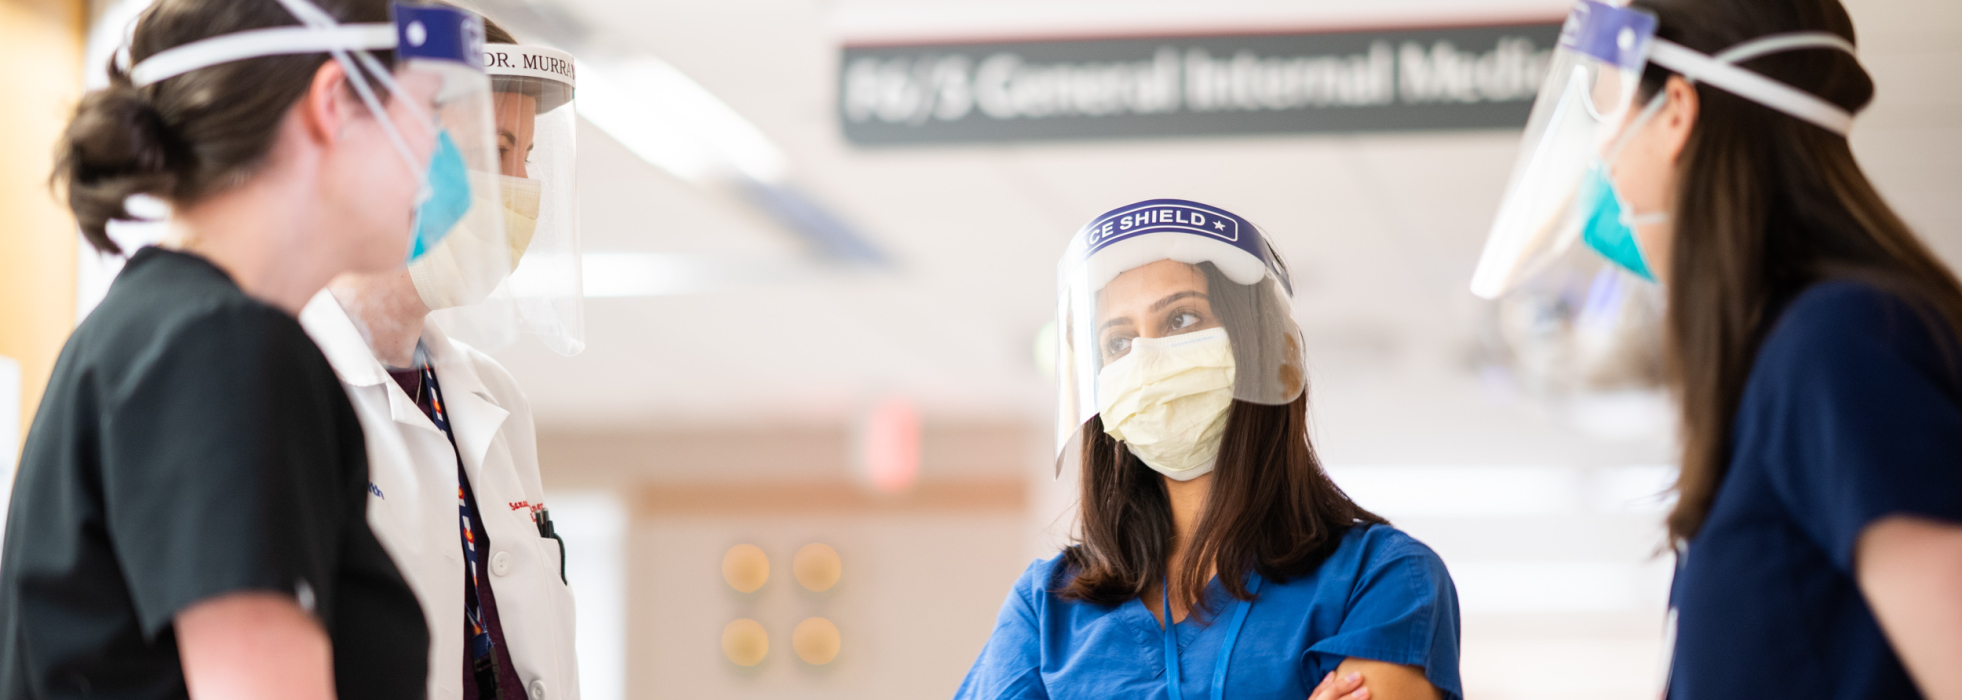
(473, 613)
(1225, 648)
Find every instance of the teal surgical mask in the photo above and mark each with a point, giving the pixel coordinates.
(1607, 222)
(445, 196)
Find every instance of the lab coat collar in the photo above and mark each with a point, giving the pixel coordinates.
(474, 414)
(341, 341)
(354, 362)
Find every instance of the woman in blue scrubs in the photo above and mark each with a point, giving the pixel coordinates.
(1814, 341)
(1214, 558)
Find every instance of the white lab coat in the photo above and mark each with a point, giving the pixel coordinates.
(412, 501)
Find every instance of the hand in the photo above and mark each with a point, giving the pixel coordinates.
(1349, 687)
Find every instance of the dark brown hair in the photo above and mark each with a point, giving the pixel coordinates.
(1271, 509)
(1766, 205)
(494, 34)
(195, 134)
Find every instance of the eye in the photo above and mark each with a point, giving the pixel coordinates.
(1117, 346)
(1185, 319)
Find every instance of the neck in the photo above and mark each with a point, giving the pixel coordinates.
(386, 309)
(258, 233)
(1188, 500)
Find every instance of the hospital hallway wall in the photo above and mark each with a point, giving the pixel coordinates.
(41, 46)
(1556, 567)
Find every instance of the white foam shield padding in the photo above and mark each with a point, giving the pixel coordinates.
(1131, 253)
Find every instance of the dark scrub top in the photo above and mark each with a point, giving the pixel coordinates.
(1382, 595)
(192, 443)
(1850, 414)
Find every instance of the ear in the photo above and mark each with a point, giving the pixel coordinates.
(1677, 119)
(324, 109)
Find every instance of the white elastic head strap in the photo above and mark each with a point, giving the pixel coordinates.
(318, 32)
(1721, 72)
(274, 41)
(311, 15)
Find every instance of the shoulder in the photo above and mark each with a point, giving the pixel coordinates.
(1375, 542)
(1847, 326)
(1044, 577)
(239, 340)
(1836, 314)
(495, 378)
(165, 298)
(1374, 550)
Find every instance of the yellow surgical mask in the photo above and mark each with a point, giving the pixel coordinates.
(1167, 400)
(442, 277)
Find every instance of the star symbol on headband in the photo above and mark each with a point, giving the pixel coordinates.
(1221, 225)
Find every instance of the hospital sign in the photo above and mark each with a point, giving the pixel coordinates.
(1475, 77)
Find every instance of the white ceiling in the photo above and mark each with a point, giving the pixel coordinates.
(1382, 232)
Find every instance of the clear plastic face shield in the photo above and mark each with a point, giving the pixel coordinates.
(438, 52)
(1578, 307)
(532, 90)
(1167, 312)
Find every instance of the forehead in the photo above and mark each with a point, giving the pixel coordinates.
(1134, 289)
(514, 109)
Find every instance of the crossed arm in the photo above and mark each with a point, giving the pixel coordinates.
(1368, 679)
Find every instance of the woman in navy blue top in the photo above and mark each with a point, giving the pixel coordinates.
(1813, 341)
(1214, 558)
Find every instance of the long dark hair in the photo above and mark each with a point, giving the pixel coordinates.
(1271, 510)
(195, 134)
(1766, 205)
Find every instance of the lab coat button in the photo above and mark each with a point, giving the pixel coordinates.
(537, 690)
(501, 563)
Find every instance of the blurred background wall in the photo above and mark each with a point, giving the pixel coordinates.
(42, 41)
(797, 339)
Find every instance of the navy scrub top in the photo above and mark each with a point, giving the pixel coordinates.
(1851, 413)
(1382, 595)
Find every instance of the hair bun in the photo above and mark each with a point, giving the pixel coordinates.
(116, 146)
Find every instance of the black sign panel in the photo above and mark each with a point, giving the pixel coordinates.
(1405, 80)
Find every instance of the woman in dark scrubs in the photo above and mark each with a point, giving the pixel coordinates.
(1813, 339)
(188, 517)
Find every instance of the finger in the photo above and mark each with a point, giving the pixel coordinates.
(1325, 689)
(1333, 688)
(1360, 694)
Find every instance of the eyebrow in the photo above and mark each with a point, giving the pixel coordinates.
(1156, 307)
(1168, 301)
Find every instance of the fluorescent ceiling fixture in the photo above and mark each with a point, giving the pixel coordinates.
(668, 119)
(1457, 491)
(637, 274)
(1560, 586)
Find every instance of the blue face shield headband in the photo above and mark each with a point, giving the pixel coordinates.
(439, 36)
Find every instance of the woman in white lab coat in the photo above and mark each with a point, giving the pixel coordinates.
(455, 495)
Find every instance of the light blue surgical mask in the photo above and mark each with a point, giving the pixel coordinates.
(1607, 222)
(445, 198)
(1608, 228)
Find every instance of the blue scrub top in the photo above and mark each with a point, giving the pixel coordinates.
(1851, 413)
(1382, 595)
